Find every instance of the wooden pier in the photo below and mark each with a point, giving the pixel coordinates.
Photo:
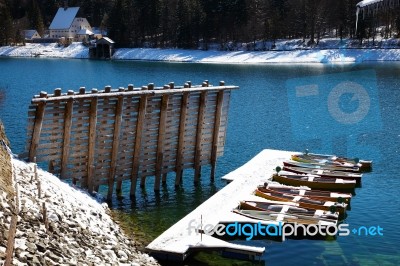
(104, 137)
(177, 243)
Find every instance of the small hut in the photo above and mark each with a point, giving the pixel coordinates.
(104, 48)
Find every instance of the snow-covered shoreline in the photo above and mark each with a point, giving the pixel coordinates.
(74, 229)
(288, 53)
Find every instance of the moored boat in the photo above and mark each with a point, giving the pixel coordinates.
(283, 207)
(313, 181)
(303, 158)
(364, 165)
(325, 173)
(301, 200)
(282, 217)
(311, 193)
(291, 163)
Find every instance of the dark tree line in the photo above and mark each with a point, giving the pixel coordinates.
(198, 23)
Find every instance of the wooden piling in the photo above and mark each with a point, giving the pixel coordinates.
(57, 92)
(115, 145)
(161, 139)
(37, 128)
(120, 98)
(181, 138)
(67, 134)
(149, 87)
(138, 141)
(92, 142)
(200, 121)
(217, 123)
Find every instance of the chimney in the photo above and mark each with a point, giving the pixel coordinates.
(65, 5)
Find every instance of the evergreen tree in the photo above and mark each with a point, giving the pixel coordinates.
(118, 23)
(19, 39)
(6, 27)
(35, 18)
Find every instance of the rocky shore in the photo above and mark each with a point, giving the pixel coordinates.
(60, 225)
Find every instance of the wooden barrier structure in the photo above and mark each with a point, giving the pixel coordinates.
(104, 137)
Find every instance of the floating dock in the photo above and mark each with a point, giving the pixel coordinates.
(178, 242)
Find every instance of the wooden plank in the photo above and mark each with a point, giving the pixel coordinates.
(37, 130)
(48, 157)
(89, 182)
(67, 136)
(77, 161)
(46, 146)
(155, 92)
(216, 131)
(80, 135)
(138, 143)
(115, 146)
(161, 140)
(181, 136)
(199, 130)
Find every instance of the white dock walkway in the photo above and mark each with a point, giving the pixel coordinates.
(177, 242)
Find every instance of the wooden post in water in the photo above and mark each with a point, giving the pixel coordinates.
(37, 127)
(181, 136)
(150, 87)
(161, 139)
(92, 142)
(199, 131)
(67, 134)
(138, 141)
(217, 123)
(115, 145)
(120, 98)
(171, 85)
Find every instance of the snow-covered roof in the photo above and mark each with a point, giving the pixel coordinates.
(85, 32)
(64, 18)
(368, 2)
(108, 40)
(28, 34)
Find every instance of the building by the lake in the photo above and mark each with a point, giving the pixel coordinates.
(66, 24)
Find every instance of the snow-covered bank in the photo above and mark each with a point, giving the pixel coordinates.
(46, 50)
(289, 52)
(78, 231)
(243, 57)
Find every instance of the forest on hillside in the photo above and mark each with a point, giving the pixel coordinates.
(198, 23)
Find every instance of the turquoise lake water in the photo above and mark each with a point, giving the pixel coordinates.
(350, 110)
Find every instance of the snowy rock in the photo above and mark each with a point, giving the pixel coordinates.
(2, 252)
(110, 254)
(122, 254)
(79, 229)
(20, 243)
